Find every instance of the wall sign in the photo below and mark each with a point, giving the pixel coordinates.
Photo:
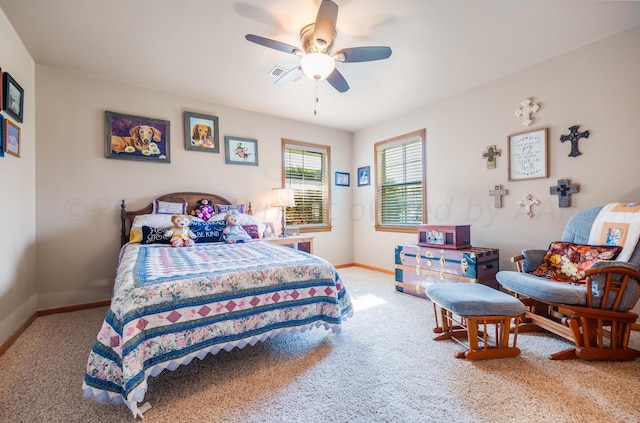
(528, 155)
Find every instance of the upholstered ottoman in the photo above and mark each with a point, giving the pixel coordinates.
(467, 309)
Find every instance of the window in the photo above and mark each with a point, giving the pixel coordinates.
(401, 182)
(306, 171)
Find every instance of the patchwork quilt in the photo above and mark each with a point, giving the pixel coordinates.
(173, 304)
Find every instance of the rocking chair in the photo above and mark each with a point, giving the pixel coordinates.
(596, 314)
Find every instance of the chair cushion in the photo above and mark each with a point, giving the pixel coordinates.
(564, 261)
(542, 289)
(474, 299)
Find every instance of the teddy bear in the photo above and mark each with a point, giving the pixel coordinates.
(234, 232)
(204, 210)
(181, 235)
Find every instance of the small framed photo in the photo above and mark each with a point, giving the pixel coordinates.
(292, 231)
(342, 179)
(11, 138)
(201, 132)
(269, 231)
(131, 137)
(13, 99)
(527, 152)
(241, 151)
(364, 176)
(1, 136)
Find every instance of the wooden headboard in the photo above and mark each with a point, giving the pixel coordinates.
(191, 198)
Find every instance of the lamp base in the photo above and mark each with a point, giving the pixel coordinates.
(283, 224)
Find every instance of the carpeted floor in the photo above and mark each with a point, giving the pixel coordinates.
(382, 367)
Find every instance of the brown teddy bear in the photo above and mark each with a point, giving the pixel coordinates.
(181, 235)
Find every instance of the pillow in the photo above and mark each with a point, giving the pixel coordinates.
(223, 208)
(564, 261)
(150, 220)
(209, 231)
(245, 219)
(252, 230)
(165, 207)
(154, 235)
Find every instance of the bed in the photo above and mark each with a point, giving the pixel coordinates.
(171, 305)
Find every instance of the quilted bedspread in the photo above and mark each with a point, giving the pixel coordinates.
(173, 304)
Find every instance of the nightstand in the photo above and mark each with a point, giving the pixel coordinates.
(301, 243)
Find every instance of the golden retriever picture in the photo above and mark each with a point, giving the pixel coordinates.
(136, 138)
(140, 138)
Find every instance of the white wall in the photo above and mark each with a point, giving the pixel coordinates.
(17, 195)
(79, 191)
(596, 86)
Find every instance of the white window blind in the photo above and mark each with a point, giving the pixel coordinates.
(400, 188)
(305, 170)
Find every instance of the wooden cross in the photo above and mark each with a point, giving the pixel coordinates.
(491, 153)
(526, 109)
(574, 136)
(562, 190)
(527, 203)
(497, 192)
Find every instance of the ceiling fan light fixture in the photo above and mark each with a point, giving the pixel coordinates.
(317, 66)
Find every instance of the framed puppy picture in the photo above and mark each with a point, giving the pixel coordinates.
(1, 136)
(241, 151)
(201, 132)
(13, 100)
(131, 137)
(11, 138)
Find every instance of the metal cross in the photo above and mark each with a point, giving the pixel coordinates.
(527, 203)
(497, 192)
(562, 190)
(574, 136)
(491, 153)
(526, 109)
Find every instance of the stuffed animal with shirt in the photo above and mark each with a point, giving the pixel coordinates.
(181, 235)
(234, 232)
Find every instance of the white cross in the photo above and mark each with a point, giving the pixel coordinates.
(527, 203)
(526, 110)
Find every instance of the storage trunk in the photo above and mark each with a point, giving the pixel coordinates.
(418, 266)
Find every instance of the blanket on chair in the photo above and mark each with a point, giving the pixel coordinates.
(617, 224)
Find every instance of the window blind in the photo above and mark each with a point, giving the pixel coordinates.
(306, 173)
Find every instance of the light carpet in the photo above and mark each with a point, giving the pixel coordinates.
(382, 367)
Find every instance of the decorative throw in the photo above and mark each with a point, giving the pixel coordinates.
(617, 224)
(565, 261)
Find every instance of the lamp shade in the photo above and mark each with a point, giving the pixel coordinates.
(317, 66)
(282, 197)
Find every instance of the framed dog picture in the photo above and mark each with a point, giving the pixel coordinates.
(241, 151)
(13, 100)
(131, 137)
(1, 136)
(201, 132)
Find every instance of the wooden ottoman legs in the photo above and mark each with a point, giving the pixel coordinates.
(480, 345)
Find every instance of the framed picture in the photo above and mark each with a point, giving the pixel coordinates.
(269, 231)
(201, 132)
(131, 137)
(13, 97)
(11, 138)
(1, 136)
(292, 231)
(364, 176)
(527, 152)
(241, 151)
(1, 98)
(342, 179)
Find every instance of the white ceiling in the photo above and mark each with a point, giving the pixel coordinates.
(197, 47)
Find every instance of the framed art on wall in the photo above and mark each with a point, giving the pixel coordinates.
(131, 137)
(241, 151)
(363, 176)
(13, 97)
(342, 179)
(201, 132)
(527, 152)
(11, 138)
(1, 136)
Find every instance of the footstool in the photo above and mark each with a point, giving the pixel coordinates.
(464, 307)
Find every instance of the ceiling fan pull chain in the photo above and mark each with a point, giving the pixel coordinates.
(315, 102)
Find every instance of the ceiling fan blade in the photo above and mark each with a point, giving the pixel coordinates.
(362, 54)
(292, 75)
(277, 45)
(338, 82)
(325, 26)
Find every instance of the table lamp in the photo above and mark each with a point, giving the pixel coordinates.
(282, 197)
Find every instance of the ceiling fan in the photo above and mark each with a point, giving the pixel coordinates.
(317, 39)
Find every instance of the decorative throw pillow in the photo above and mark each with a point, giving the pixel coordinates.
(152, 235)
(166, 207)
(223, 208)
(565, 260)
(252, 230)
(209, 231)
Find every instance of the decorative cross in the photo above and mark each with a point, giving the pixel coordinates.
(497, 192)
(562, 190)
(574, 136)
(526, 109)
(527, 203)
(491, 153)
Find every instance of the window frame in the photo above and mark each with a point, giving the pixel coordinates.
(285, 143)
(377, 149)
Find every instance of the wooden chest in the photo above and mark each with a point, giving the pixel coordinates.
(416, 267)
